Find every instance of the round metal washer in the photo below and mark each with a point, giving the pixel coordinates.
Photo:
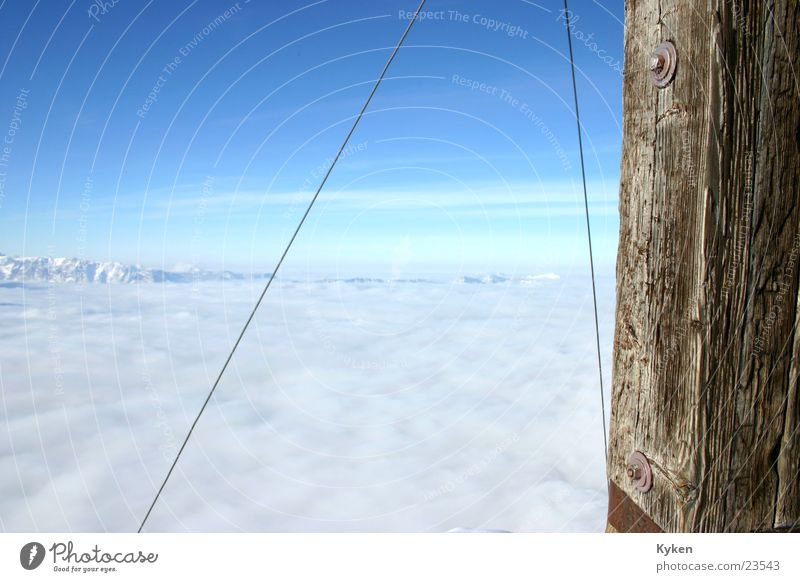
(663, 64)
(640, 466)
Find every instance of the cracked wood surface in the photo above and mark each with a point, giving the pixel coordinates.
(706, 358)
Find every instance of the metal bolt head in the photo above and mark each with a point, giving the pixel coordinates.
(656, 63)
(634, 472)
(663, 64)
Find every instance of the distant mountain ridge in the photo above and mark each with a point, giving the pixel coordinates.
(63, 270)
(496, 278)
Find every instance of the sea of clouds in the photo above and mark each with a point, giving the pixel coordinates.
(351, 405)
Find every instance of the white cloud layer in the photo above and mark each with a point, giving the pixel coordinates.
(350, 406)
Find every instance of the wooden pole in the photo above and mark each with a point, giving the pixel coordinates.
(707, 344)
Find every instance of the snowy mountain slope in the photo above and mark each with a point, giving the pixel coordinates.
(63, 270)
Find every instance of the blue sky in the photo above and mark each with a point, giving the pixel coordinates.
(195, 132)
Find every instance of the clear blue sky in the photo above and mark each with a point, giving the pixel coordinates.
(466, 158)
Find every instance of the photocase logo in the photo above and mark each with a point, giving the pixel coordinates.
(31, 555)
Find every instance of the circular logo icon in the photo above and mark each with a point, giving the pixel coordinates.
(31, 555)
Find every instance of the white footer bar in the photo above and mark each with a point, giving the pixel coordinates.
(401, 557)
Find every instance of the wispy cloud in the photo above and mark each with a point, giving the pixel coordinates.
(557, 196)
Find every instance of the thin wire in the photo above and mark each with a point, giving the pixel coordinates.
(283, 256)
(588, 227)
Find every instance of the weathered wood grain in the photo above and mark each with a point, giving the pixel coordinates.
(706, 358)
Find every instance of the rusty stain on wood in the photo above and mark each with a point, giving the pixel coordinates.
(706, 354)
